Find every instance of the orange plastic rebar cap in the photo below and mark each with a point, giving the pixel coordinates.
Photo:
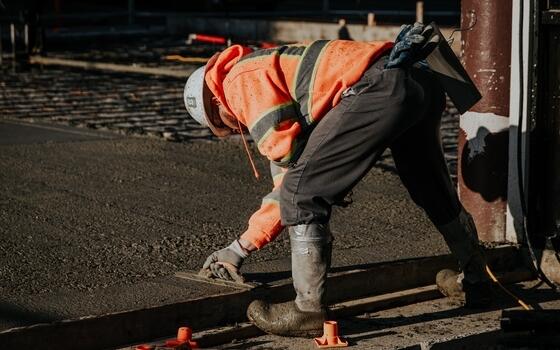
(184, 336)
(330, 338)
(145, 347)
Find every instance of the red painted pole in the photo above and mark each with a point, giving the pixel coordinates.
(483, 139)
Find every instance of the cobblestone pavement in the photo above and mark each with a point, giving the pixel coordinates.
(130, 104)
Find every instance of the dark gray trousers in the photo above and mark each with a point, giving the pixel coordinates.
(386, 108)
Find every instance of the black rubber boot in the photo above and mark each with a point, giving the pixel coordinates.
(311, 255)
(286, 319)
(473, 284)
(450, 283)
(477, 295)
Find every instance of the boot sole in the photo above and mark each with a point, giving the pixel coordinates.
(314, 333)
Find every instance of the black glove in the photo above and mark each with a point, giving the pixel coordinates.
(225, 263)
(413, 44)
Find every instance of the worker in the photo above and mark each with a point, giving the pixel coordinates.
(323, 114)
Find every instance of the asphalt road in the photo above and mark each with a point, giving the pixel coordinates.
(93, 222)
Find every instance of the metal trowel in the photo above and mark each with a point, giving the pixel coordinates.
(203, 276)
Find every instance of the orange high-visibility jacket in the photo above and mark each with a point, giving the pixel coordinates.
(279, 94)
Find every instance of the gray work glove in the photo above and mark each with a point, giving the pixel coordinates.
(413, 44)
(225, 263)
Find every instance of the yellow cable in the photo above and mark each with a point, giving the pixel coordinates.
(186, 59)
(521, 302)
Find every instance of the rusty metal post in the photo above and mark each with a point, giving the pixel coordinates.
(131, 15)
(13, 41)
(371, 19)
(1, 50)
(26, 37)
(483, 139)
(420, 11)
(326, 7)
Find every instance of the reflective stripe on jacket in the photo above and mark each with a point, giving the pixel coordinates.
(280, 94)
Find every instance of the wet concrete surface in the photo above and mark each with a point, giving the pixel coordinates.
(92, 224)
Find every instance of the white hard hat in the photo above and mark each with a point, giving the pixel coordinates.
(193, 96)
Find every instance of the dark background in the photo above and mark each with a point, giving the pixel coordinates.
(444, 11)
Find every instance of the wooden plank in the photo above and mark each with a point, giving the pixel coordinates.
(355, 307)
(351, 308)
(111, 330)
(541, 321)
(497, 339)
(112, 67)
(394, 276)
(114, 329)
(386, 301)
(191, 60)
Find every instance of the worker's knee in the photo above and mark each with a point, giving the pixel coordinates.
(434, 94)
(404, 102)
(299, 201)
(412, 100)
(288, 193)
(404, 109)
(303, 236)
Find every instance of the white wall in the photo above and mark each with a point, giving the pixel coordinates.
(514, 232)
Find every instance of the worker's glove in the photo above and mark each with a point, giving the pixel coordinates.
(225, 263)
(414, 43)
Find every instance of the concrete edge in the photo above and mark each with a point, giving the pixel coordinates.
(115, 329)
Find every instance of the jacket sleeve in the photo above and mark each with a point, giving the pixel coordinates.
(258, 98)
(264, 224)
